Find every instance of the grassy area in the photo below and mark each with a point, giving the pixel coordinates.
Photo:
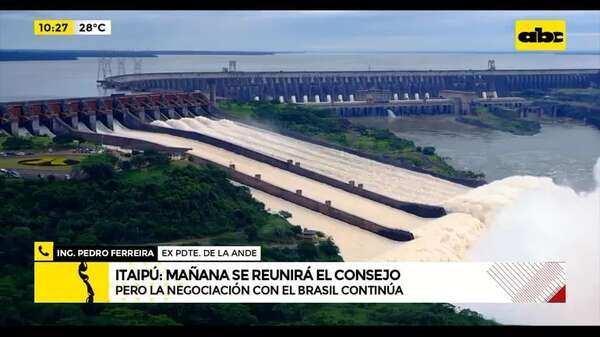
(13, 162)
(501, 119)
(323, 124)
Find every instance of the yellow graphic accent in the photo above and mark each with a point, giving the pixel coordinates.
(53, 27)
(60, 282)
(43, 251)
(540, 35)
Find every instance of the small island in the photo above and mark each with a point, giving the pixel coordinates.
(502, 119)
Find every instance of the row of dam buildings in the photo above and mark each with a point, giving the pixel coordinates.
(350, 93)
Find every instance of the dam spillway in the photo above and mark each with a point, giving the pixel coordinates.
(445, 238)
(391, 181)
(314, 190)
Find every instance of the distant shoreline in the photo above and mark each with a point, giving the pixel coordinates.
(70, 55)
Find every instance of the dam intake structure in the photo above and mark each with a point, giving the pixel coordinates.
(30, 116)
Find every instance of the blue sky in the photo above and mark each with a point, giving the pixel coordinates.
(334, 31)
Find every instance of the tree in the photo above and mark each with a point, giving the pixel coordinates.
(252, 232)
(17, 143)
(66, 139)
(329, 248)
(99, 167)
(155, 158)
(307, 251)
(429, 150)
(137, 162)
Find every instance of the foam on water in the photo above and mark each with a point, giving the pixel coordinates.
(519, 218)
(44, 131)
(82, 127)
(547, 222)
(385, 179)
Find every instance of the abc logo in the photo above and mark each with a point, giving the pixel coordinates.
(539, 35)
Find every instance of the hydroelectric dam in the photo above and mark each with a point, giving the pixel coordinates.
(365, 204)
(316, 86)
(339, 185)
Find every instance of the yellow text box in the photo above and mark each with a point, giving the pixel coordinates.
(540, 35)
(53, 27)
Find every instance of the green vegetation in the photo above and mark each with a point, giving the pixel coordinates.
(576, 103)
(324, 125)
(41, 143)
(22, 143)
(502, 119)
(589, 96)
(157, 203)
(49, 162)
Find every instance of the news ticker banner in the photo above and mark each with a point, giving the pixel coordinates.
(235, 274)
(72, 27)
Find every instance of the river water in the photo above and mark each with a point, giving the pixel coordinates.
(564, 150)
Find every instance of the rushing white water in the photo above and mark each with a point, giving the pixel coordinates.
(385, 179)
(445, 239)
(44, 131)
(82, 127)
(519, 218)
(391, 114)
(348, 202)
(547, 222)
(23, 132)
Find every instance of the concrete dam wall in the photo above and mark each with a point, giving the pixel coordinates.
(272, 85)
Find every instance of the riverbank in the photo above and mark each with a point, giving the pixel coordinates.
(501, 119)
(325, 127)
(582, 104)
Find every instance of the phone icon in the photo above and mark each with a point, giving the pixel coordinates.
(42, 252)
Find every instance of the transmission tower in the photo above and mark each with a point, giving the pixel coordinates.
(137, 65)
(121, 66)
(104, 68)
